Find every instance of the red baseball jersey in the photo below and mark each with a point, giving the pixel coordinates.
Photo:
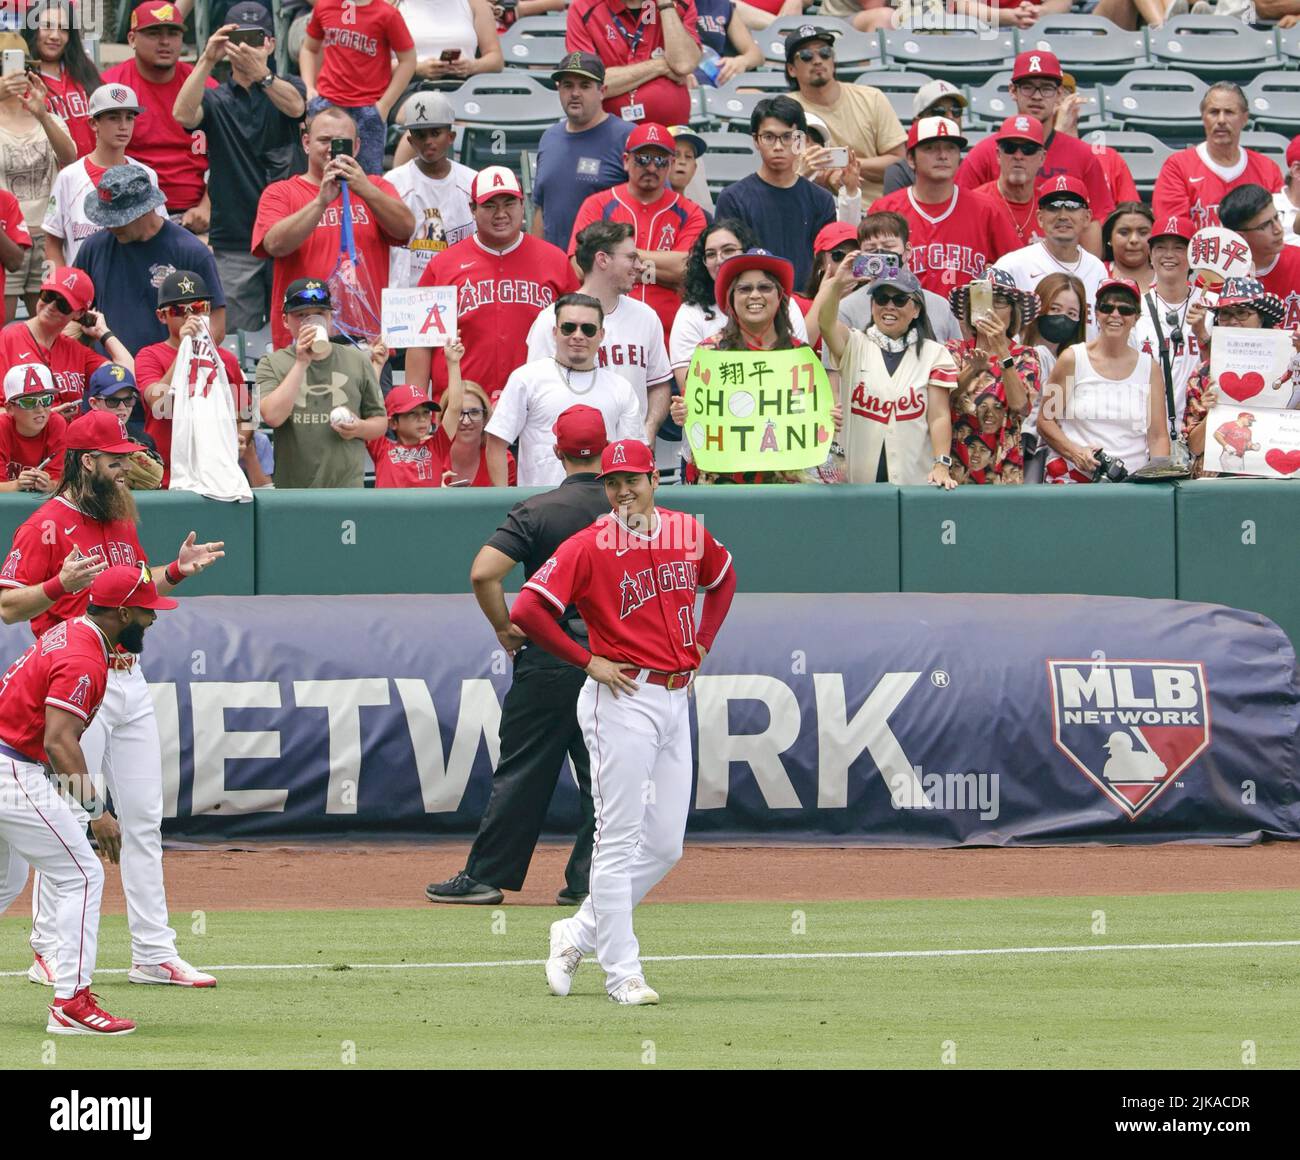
(70, 363)
(18, 452)
(498, 296)
(955, 241)
(620, 36)
(1237, 437)
(66, 99)
(635, 592)
(1283, 279)
(67, 668)
(398, 465)
(1191, 185)
(671, 223)
(1023, 215)
(1064, 154)
(357, 43)
(43, 541)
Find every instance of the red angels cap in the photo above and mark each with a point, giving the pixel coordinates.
(932, 129)
(629, 455)
(494, 180)
(100, 431)
(155, 16)
(1173, 227)
(1036, 64)
(648, 135)
(28, 379)
(1125, 284)
(128, 586)
(403, 400)
(1062, 186)
(1293, 152)
(580, 432)
(73, 285)
(834, 234)
(1020, 128)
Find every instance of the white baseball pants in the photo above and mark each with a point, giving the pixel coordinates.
(122, 741)
(38, 827)
(640, 747)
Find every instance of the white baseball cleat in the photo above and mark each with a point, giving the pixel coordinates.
(42, 971)
(563, 962)
(174, 972)
(634, 993)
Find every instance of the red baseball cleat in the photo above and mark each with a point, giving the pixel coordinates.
(82, 1015)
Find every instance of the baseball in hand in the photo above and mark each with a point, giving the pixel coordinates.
(342, 417)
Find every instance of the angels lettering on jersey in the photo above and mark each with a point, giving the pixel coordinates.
(869, 405)
(636, 589)
(522, 291)
(948, 256)
(419, 457)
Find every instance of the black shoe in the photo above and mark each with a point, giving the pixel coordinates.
(568, 897)
(463, 889)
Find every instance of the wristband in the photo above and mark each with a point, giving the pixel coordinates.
(103, 338)
(53, 588)
(173, 573)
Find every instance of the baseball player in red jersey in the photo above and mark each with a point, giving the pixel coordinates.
(956, 234)
(503, 277)
(633, 576)
(92, 519)
(49, 696)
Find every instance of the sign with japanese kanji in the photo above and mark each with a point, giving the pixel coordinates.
(420, 316)
(1216, 253)
(757, 410)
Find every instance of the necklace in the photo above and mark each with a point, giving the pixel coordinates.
(568, 377)
(1068, 269)
(1021, 227)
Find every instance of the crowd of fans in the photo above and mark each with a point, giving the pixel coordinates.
(1026, 317)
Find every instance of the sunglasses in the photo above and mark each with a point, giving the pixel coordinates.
(1061, 203)
(807, 55)
(885, 298)
(1024, 148)
(49, 298)
(33, 402)
(590, 329)
(952, 112)
(1123, 309)
(145, 577)
(185, 309)
(745, 288)
(119, 402)
(652, 160)
(840, 254)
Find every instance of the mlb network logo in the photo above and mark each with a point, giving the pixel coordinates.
(1131, 727)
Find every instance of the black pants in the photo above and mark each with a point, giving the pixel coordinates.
(539, 725)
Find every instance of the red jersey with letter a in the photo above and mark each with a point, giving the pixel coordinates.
(1283, 279)
(18, 452)
(636, 592)
(671, 223)
(955, 241)
(70, 363)
(316, 257)
(67, 668)
(499, 293)
(1192, 185)
(43, 541)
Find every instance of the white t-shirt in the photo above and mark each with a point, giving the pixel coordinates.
(1184, 357)
(690, 328)
(438, 24)
(534, 396)
(633, 348)
(1286, 214)
(64, 216)
(442, 217)
(1031, 264)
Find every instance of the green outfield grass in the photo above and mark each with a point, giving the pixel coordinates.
(1107, 1009)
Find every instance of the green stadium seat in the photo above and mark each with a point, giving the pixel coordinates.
(959, 57)
(535, 42)
(1142, 153)
(734, 102)
(854, 50)
(1274, 102)
(502, 115)
(1165, 102)
(1214, 48)
(991, 104)
(1288, 46)
(1090, 48)
(1272, 145)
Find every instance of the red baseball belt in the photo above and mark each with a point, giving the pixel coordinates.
(667, 680)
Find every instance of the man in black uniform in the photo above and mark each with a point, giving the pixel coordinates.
(539, 721)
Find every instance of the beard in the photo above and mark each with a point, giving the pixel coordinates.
(103, 500)
(131, 638)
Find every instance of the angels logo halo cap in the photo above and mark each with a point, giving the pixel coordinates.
(1062, 186)
(1036, 63)
(580, 432)
(649, 135)
(581, 64)
(28, 379)
(73, 285)
(100, 431)
(934, 91)
(405, 399)
(128, 586)
(183, 286)
(1174, 226)
(935, 129)
(251, 15)
(156, 16)
(1020, 128)
(627, 455)
(113, 98)
(494, 181)
(796, 38)
(109, 379)
(123, 194)
(427, 111)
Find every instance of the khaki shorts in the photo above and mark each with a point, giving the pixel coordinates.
(28, 277)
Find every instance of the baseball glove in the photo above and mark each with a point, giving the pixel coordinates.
(145, 471)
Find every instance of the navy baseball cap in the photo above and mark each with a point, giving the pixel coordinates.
(110, 379)
(306, 294)
(250, 15)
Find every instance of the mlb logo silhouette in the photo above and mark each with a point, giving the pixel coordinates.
(1131, 727)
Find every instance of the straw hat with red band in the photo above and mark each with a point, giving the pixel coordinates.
(1026, 301)
(100, 431)
(1173, 227)
(834, 234)
(934, 129)
(627, 455)
(580, 432)
(128, 586)
(755, 259)
(1250, 292)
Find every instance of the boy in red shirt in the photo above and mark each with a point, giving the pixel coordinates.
(418, 457)
(346, 61)
(32, 439)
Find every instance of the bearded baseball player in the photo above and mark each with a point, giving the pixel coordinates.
(48, 698)
(87, 526)
(633, 576)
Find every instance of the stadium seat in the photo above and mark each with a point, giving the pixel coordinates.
(1165, 102)
(536, 42)
(1274, 102)
(1214, 48)
(724, 166)
(963, 58)
(734, 102)
(1142, 153)
(899, 87)
(502, 114)
(991, 104)
(1288, 46)
(854, 50)
(1272, 145)
(1090, 48)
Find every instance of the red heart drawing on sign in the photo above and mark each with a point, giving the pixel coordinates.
(1241, 387)
(822, 434)
(1283, 462)
(703, 374)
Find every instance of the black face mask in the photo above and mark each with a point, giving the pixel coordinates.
(131, 638)
(1057, 328)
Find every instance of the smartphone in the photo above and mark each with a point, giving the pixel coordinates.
(15, 62)
(869, 267)
(450, 54)
(837, 157)
(981, 299)
(254, 37)
(340, 147)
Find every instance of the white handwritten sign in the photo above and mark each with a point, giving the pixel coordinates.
(422, 316)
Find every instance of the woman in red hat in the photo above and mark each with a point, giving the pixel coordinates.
(833, 243)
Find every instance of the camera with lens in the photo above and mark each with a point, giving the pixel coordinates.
(869, 267)
(1109, 469)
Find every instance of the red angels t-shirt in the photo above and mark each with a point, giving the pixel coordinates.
(18, 452)
(671, 223)
(71, 364)
(316, 257)
(66, 668)
(1187, 184)
(177, 155)
(638, 599)
(499, 295)
(1064, 154)
(1283, 279)
(1023, 215)
(954, 241)
(67, 100)
(402, 465)
(15, 229)
(43, 541)
(151, 365)
(358, 42)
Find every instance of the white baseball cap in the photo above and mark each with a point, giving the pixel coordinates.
(934, 91)
(427, 111)
(28, 379)
(494, 180)
(107, 98)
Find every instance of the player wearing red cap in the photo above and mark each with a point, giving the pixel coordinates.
(1020, 151)
(90, 525)
(955, 233)
(666, 223)
(48, 698)
(633, 576)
